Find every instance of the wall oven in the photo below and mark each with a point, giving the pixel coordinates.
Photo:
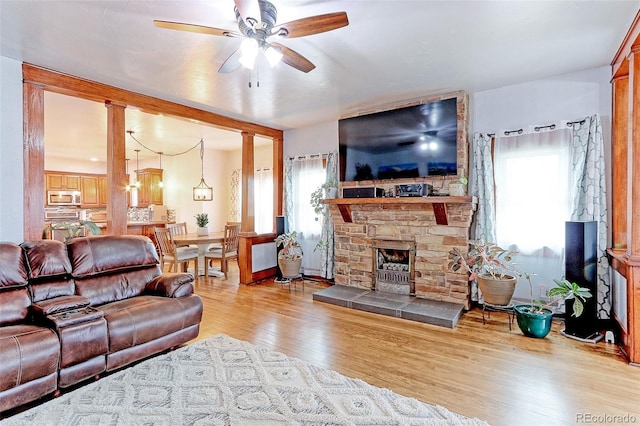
(64, 198)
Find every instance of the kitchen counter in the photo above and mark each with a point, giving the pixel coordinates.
(134, 224)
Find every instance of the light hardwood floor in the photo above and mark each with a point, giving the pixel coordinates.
(477, 370)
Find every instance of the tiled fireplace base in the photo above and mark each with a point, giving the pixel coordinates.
(445, 314)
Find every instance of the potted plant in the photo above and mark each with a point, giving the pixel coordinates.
(290, 257)
(534, 319)
(202, 219)
(73, 229)
(329, 189)
(491, 266)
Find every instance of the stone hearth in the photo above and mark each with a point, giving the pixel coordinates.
(444, 314)
(435, 224)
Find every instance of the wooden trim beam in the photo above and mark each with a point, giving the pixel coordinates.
(33, 161)
(86, 89)
(116, 171)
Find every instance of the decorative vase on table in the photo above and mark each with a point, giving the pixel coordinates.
(203, 230)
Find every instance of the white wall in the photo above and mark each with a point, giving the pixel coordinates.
(320, 138)
(565, 97)
(182, 173)
(11, 165)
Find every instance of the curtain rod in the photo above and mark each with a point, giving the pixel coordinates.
(538, 128)
(300, 157)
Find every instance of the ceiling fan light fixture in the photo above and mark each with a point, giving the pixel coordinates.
(249, 49)
(273, 55)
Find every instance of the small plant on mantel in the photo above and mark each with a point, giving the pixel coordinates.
(319, 195)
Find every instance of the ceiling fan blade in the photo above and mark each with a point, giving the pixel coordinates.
(312, 25)
(294, 59)
(249, 10)
(231, 63)
(195, 28)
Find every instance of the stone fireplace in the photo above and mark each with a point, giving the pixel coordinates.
(427, 228)
(393, 266)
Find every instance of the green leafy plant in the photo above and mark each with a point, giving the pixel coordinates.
(563, 290)
(291, 248)
(484, 258)
(463, 180)
(202, 219)
(73, 228)
(317, 196)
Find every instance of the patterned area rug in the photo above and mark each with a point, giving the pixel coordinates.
(224, 381)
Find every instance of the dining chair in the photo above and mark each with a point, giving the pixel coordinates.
(228, 251)
(178, 228)
(170, 252)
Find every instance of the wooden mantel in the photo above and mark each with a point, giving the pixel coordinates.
(439, 204)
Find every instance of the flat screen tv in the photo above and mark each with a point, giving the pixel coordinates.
(413, 141)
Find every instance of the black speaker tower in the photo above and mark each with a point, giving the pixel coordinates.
(281, 228)
(581, 249)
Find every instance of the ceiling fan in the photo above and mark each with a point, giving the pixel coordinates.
(256, 23)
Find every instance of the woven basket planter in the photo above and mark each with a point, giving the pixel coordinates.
(497, 291)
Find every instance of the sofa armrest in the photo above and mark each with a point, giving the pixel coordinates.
(59, 304)
(176, 284)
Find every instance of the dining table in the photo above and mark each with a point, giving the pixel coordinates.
(203, 242)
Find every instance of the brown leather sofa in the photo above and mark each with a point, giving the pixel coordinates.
(71, 311)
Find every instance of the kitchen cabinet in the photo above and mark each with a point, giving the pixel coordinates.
(62, 181)
(150, 191)
(90, 191)
(102, 190)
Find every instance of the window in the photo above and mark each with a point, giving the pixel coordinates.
(263, 198)
(533, 199)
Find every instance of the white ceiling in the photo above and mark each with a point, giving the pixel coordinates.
(392, 50)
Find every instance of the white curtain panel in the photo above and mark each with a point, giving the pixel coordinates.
(532, 181)
(589, 196)
(263, 198)
(327, 249)
(302, 176)
(481, 185)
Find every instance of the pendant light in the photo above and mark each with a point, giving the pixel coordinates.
(137, 182)
(128, 187)
(202, 192)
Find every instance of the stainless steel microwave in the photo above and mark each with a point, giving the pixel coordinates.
(64, 198)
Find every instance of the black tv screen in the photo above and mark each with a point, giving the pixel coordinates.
(414, 141)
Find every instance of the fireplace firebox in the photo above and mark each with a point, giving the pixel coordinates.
(393, 266)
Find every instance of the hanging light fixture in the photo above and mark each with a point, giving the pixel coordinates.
(137, 183)
(128, 187)
(161, 183)
(202, 192)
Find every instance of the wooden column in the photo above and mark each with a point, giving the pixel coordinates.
(278, 178)
(247, 230)
(619, 146)
(248, 204)
(116, 170)
(33, 160)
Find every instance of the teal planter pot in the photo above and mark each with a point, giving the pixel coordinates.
(533, 325)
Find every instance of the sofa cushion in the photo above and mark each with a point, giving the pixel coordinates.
(13, 273)
(49, 269)
(103, 289)
(142, 319)
(46, 259)
(98, 255)
(14, 305)
(27, 352)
